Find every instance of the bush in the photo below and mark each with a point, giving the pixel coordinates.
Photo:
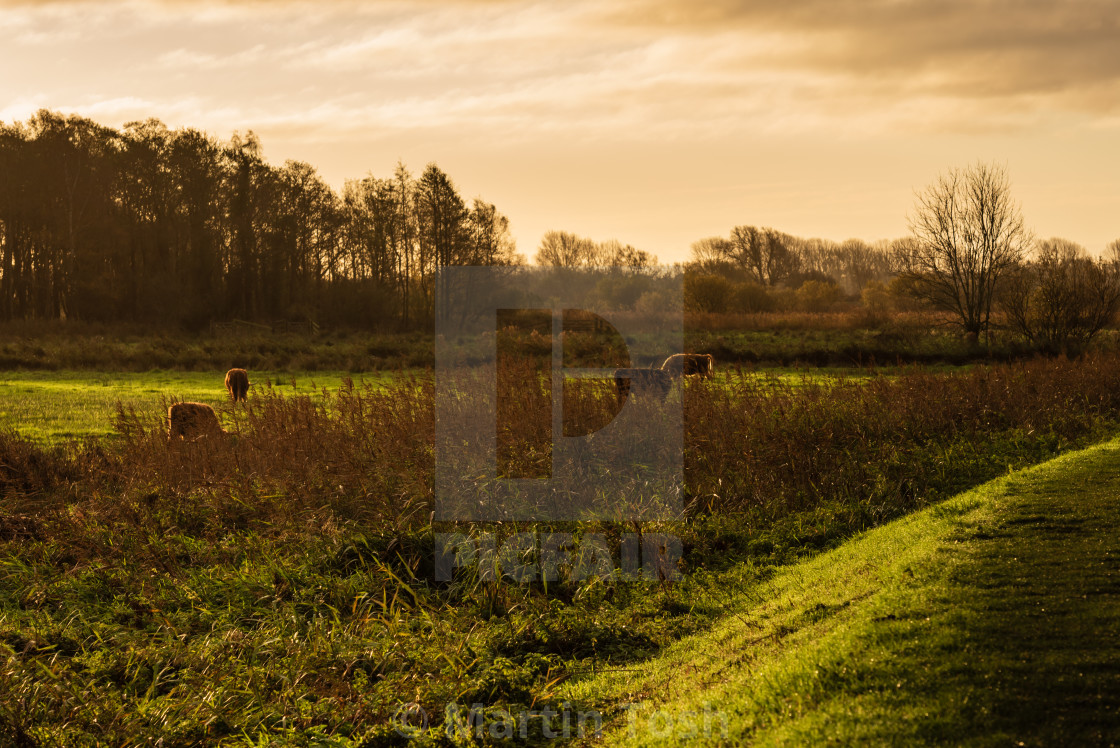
(706, 293)
(905, 296)
(818, 296)
(27, 471)
(878, 303)
(753, 298)
(653, 303)
(891, 442)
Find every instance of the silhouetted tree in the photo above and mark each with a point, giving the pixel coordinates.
(768, 255)
(613, 253)
(172, 225)
(489, 239)
(441, 230)
(1112, 251)
(564, 249)
(969, 235)
(1061, 300)
(713, 255)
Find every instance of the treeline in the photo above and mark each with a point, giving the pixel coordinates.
(1051, 294)
(764, 270)
(773, 258)
(173, 226)
(753, 270)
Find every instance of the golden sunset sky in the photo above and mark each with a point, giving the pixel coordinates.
(655, 122)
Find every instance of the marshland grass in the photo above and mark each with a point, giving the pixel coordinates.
(280, 585)
(53, 407)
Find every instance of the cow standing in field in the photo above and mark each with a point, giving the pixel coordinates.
(684, 364)
(237, 383)
(655, 381)
(191, 421)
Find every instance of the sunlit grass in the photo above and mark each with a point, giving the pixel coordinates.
(51, 407)
(801, 375)
(966, 623)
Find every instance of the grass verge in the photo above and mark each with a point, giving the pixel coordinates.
(986, 620)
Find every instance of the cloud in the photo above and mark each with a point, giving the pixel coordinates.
(626, 70)
(183, 58)
(23, 107)
(963, 48)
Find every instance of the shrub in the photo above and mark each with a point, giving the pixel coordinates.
(818, 296)
(752, 297)
(706, 293)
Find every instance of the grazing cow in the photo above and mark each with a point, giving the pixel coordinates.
(655, 381)
(237, 383)
(191, 421)
(682, 364)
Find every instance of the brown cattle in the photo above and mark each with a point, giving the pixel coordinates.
(191, 421)
(237, 383)
(682, 364)
(653, 381)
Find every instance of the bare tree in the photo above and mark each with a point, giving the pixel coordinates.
(1063, 299)
(712, 254)
(1112, 251)
(564, 249)
(615, 254)
(765, 253)
(860, 263)
(819, 258)
(969, 235)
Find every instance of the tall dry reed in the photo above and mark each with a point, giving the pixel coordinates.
(751, 443)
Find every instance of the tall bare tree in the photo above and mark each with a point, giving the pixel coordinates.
(969, 234)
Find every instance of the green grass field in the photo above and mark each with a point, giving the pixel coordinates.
(989, 619)
(55, 406)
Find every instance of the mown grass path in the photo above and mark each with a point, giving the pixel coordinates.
(991, 619)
